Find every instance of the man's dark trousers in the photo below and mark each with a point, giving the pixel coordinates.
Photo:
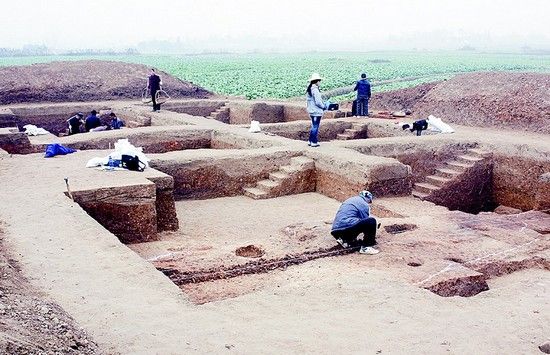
(156, 106)
(362, 105)
(366, 226)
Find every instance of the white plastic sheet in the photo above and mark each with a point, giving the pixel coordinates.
(32, 130)
(437, 125)
(122, 147)
(254, 127)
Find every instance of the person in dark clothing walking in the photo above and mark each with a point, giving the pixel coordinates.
(154, 85)
(92, 121)
(363, 95)
(353, 218)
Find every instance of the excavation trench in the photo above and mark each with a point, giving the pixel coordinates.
(254, 267)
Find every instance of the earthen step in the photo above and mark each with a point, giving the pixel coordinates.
(426, 188)
(267, 185)
(351, 131)
(468, 159)
(255, 193)
(437, 180)
(302, 161)
(479, 152)
(219, 112)
(419, 194)
(343, 136)
(458, 165)
(278, 176)
(289, 169)
(447, 173)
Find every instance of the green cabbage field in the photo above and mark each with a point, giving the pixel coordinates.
(285, 75)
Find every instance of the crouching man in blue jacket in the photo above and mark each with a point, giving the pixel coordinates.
(352, 219)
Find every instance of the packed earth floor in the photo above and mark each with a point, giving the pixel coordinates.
(223, 245)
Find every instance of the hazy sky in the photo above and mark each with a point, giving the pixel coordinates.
(277, 24)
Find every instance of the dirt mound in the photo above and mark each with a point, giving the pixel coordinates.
(505, 100)
(90, 80)
(401, 99)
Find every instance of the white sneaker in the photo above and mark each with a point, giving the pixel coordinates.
(369, 251)
(342, 243)
(315, 145)
(309, 143)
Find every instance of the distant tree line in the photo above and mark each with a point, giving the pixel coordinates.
(41, 50)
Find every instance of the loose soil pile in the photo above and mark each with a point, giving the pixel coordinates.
(504, 100)
(29, 324)
(90, 80)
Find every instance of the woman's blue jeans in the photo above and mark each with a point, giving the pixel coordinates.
(315, 122)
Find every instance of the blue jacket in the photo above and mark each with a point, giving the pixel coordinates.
(92, 121)
(351, 212)
(117, 123)
(363, 88)
(315, 104)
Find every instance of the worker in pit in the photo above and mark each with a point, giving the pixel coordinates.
(353, 218)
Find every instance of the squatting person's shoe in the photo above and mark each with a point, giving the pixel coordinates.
(369, 251)
(342, 243)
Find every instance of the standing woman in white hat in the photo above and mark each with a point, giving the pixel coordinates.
(315, 108)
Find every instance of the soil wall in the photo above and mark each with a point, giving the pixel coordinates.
(340, 180)
(15, 142)
(194, 107)
(151, 140)
(423, 157)
(243, 112)
(129, 212)
(472, 192)
(520, 182)
(299, 130)
(134, 213)
(167, 218)
(205, 178)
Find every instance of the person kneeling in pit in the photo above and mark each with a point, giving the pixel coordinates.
(353, 218)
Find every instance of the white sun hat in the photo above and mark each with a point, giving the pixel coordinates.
(315, 76)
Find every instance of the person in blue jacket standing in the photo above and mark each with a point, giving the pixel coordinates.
(315, 108)
(353, 218)
(363, 95)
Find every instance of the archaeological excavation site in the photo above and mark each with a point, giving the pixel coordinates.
(223, 243)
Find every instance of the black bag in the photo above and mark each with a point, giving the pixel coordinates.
(333, 107)
(354, 108)
(132, 163)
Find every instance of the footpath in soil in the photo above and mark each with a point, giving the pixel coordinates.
(31, 324)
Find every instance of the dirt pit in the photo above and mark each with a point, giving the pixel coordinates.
(250, 251)
(399, 228)
(432, 255)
